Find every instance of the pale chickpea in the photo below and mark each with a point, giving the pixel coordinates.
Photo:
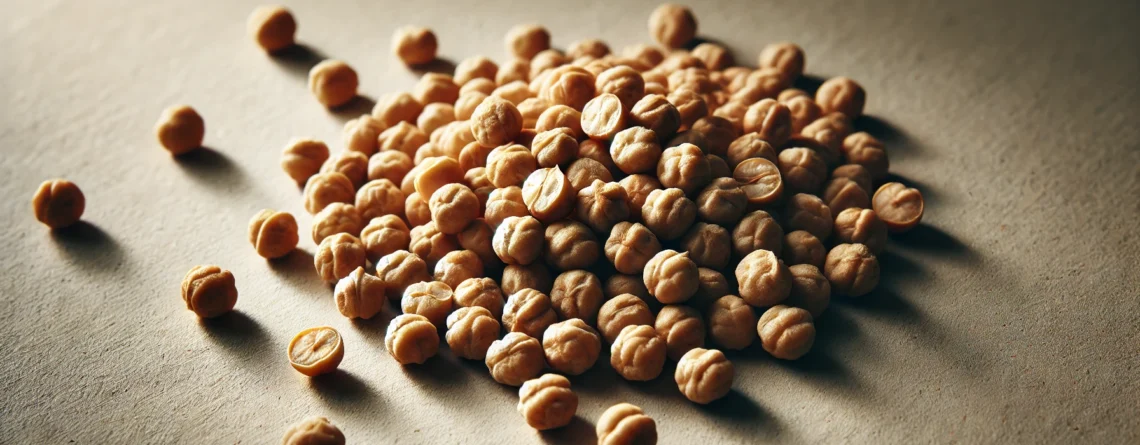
(503, 203)
(414, 45)
(757, 231)
(359, 295)
(399, 270)
(630, 246)
(457, 266)
(625, 424)
(303, 158)
(337, 256)
(786, 332)
(621, 81)
(470, 332)
(671, 276)
(209, 291)
(333, 83)
(637, 353)
(378, 198)
(636, 150)
(722, 202)
(801, 247)
(515, 358)
(554, 147)
(732, 324)
(525, 41)
(313, 431)
(622, 311)
(392, 165)
(810, 289)
(510, 165)
(560, 116)
(518, 240)
(656, 113)
(59, 203)
(335, 218)
(180, 129)
(514, 70)
(668, 213)
(435, 116)
(532, 276)
(453, 207)
(570, 245)
(273, 234)
(435, 172)
(384, 235)
(764, 279)
(571, 347)
(431, 244)
(496, 121)
(393, 108)
(475, 67)
(416, 210)
(681, 328)
(704, 375)
(402, 136)
(273, 28)
(708, 245)
(638, 187)
(808, 212)
(672, 25)
(684, 167)
(549, 195)
(478, 85)
(863, 149)
(577, 294)
(411, 339)
(571, 87)
(316, 351)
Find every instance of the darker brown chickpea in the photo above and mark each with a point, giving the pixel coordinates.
(622, 311)
(842, 193)
(636, 150)
(712, 134)
(378, 198)
(719, 167)
(474, 155)
(475, 67)
(496, 121)
(532, 276)
(477, 237)
(577, 294)
(623, 82)
(510, 165)
(453, 207)
(808, 212)
(802, 169)
(599, 151)
(803, 111)
(868, 153)
(638, 187)
(584, 172)
(801, 247)
(898, 206)
(681, 328)
(851, 269)
(587, 47)
(656, 113)
(399, 270)
(323, 189)
(758, 230)
(843, 95)
(668, 213)
(861, 226)
(856, 173)
(560, 116)
(764, 279)
(671, 276)
(731, 323)
(785, 57)
(333, 83)
(733, 112)
(711, 285)
(630, 246)
(786, 332)
(504, 203)
(554, 147)
(457, 266)
(601, 205)
(549, 195)
(571, 245)
(810, 289)
(722, 202)
(708, 245)
(416, 210)
(431, 244)
(770, 120)
(684, 167)
(59, 203)
(760, 179)
(715, 57)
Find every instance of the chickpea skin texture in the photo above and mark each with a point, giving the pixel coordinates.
(810, 289)
(509, 165)
(526, 41)
(453, 207)
(58, 203)
(333, 83)
(637, 353)
(708, 245)
(621, 311)
(323, 189)
(671, 276)
(571, 245)
(359, 295)
(470, 332)
(337, 217)
(518, 240)
(431, 299)
(384, 235)
(898, 206)
(681, 328)
(481, 292)
(731, 322)
(635, 150)
(764, 279)
(672, 25)
(801, 247)
(411, 339)
(532, 276)
(571, 346)
(399, 270)
(851, 269)
(337, 256)
(757, 231)
(530, 312)
(316, 351)
(630, 246)
(414, 45)
(313, 431)
(209, 291)
(272, 27)
(625, 424)
(722, 202)
(577, 294)
(684, 167)
(547, 402)
(704, 375)
(180, 129)
(601, 205)
(457, 266)
(786, 332)
(861, 226)
(515, 358)
(496, 121)
(273, 234)
(668, 213)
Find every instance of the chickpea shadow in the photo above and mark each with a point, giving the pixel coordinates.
(896, 266)
(439, 65)
(359, 105)
(89, 247)
(737, 408)
(809, 83)
(238, 333)
(297, 268)
(212, 169)
(375, 328)
(298, 59)
(896, 140)
(342, 388)
(441, 371)
(578, 432)
(927, 238)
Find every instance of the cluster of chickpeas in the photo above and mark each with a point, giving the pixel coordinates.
(655, 200)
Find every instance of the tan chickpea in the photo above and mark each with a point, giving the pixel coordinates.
(621, 311)
(861, 226)
(672, 25)
(693, 78)
(475, 67)
(477, 237)
(647, 55)
(635, 150)
(670, 276)
(526, 137)
(337, 256)
(411, 338)
(477, 85)
(715, 57)
(333, 82)
(684, 167)
(453, 207)
(808, 212)
(391, 165)
(757, 231)
(531, 110)
(384, 235)
(711, 286)
(764, 279)
(399, 270)
(630, 246)
(588, 47)
(544, 64)
(496, 121)
(722, 202)
(801, 247)
(403, 137)
(843, 193)
(863, 149)
(436, 172)
(273, 234)
(731, 323)
(326, 188)
(528, 311)
(618, 284)
(474, 155)
(272, 27)
(785, 57)
(336, 218)
(470, 332)
(504, 203)
(584, 172)
(414, 45)
(416, 210)
(560, 116)
(810, 289)
(572, 87)
(638, 187)
(708, 245)
(435, 116)
(625, 424)
(303, 158)
(843, 95)
(571, 346)
(712, 134)
(393, 108)
(599, 151)
(554, 147)
(656, 113)
(623, 82)
(180, 129)
(431, 299)
(548, 194)
(760, 179)
(514, 70)
(518, 240)
(601, 205)
(360, 134)
(352, 164)
(855, 172)
(510, 165)
(792, 93)
(532, 276)
(689, 104)
(314, 431)
(668, 213)
(577, 294)
(476, 178)
(681, 328)
(637, 353)
(431, 244)
(570, 245)
(209, 291)
(467, 102)
(802, 169)
(733, 112)
(704, 375)
(515, 358)
(359, 295)
(480, 292)
(770, 120)
(851, 269)
(603, 117)
(59, 203)
(898, 206)
(804, 111)
(316, 351)
(436, 87)
(547, 402)
(378, 198)
(786, 332)
(829, 129)
(457, 266)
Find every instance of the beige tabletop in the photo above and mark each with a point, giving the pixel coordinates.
(1009, 316)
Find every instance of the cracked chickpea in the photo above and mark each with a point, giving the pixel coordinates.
(518, 240)
(515, 358)
(549, 195)
(384, 235)
(577, 294)
(570, 245)
(335, 218)
(316, 351)
(898, 206)
(757, 231)
(621, 311)
(708, 245)
(399, 270)
(731, 322)
(303, 158)
(209, 291)
(547, 402)
(414, 45)
(684, 167)
(337, 256)
(637, 353)
(313, 431)
(601, 205)
(273, 234)
(411, 339)
(681, 328)
(359, 295)
(571, 347)
(671, 276)
(431, 244)
(431, 299)
(470, 332)
(636, 150)
(764, 280)
(861, 226)
(704, 375)
(810, 289)
(326, 188)
(668, 213)
(801, 247)
(453, 207)
(528, 311)
(603, 117)
(509, 165)
(786, 332)
(180, 129)
(630, 246)
(333, 82)
(851, 269)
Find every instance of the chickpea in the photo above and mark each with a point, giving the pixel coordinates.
(435, 116)
(603, 117)
(414, 45)
(656, 113)
(480, 292)
(393, 108)
(454, 137)
(671, 277)
(547, 402)
(622, 311)
(560, 116)
(638, 187)
(482, 85)
(681, 328)
(532, 276)
(416, 210)
(360, 134)
(851, 269)
(529, 311)
(571, 346)
(273, 234)
(515, 70)
(618, 284)
(668, 213)
(868, 152)
(571, 87)
(810, 289)
(635, 150)
(802, 169)
(515, 358)
(672, 25)
(760, 179)
(785, 57)
(180, 129)
(384, 235)
(467, 102)
(403, 137)
(584, 172)
(764, 279)
(731, 323)
(786, 332)
(399, 270)
(337, 256)
(326, 188)
(733, 112)
(273, 28)
(378, 198)
(411, 338)
(630, 246)
(577, 294)
(470, 332)
(757, 231)
(808, 212)
(625, 424)
(548, 194)
(431, 299)
(861, 226)
(689, 104)
(532, 110)
(518, 240)
(637, 353)
(708, 245)
(314, 431)
(722, 202)
(601, 205)
(829, 132)
(457, 266)
(353, 165)
(336, 218)
(436, 172)
(333, 83)
(391, 165)
(503, 203)
(704, 375)
(570, 245)
(477, 237)
(801, 247)
(898, 206)
(684, 167)
(855, 172)
(303, 158)
(431, 244)
(474, 68)
(510, 165)
(842, 193)
(648, 55)
(770, 120)
(453, 207)
(209, 291)
(316, 351)
(623, 82)
(59, 203)
(804, 111)
(436, 87)
(792, 93)
(715, 57)
(588, 47)
(711, 285)
(496, 121)
(843, 95)
(554, 147)
(359, 295)
(712, 134)
(476, 178)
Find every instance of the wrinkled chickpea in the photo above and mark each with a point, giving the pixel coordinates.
(712, 134)
(528, 311)
(733, 112)
(480, 292)
(411, 339)
(475, 67)
(467, 102)
(549, 195)
(352, 164)
(510, 165)
(470, 332)
(435, 87)
(802, 169)
(690, 105)
(851, 269)
(577, 294)
(785, 57)
(547, 402)
(861, 226)
(337, 256)
(359, 295)
(531, 110)
(476, 178)
(416, 210)
(704, 375)
(303, 158)
(668, 213)
(515, 358)
(672, 25)
(431, 299)
(273, 28)
(671, 276)
(477, 237)
(571, 347)
(855, 172)
(59, 203)
(180, 129)
(525, 41)
(384, 235)
(630, 246)
(436, 172)
(323, 189)
(391, 165)
(570, 245)
(625, 424)
(638, 187)
(722, 202)
(399, 270)
(584, 172)
(572, 87)
(898, 206)
(378, 198)
(209, 291)
(637, 353)
(532, 276)
(544, 63)
(414, 45)
(711, 285)
(503, 203)
(273, 234)
(764, 280)
(681, 328)
(435, 116)
(801, 247)
(335, 218)
(770, 120)
(316, 351)
(587, 47)
(393, 108)
(715, 57)
(623, 82)
(554, 147)
(431, 244)
(603, 117)
(601, 205)
(843, 95)
(808, 212)
(458, 266)
(514, 70)
(333, 83)
(518, 240)
(618, 284)
(496, 121)
(478, 85)
(786, 332)
(810, 289)
(360, 134)
(560, 116)
(803, 110)
(635, 150)
(757, 231)
(622, 311)
(656, 113)
(453, 207)
(842, 193)
(708, 245)
(313, 431)
(863, 149)
(684, 167)
(732, 324)
(761, 180)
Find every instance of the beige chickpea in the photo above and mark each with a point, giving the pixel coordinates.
(560, 116)
(761, 84)
(603, 117)
(571, 87)
(504, 203)
(760, 179)
(571, 347)
(601, 205)
(672, 25)
(532, 276)
(316, 351)
(671, 276)
(359, 295)
(668, 213)
(757, 231)
(391, 165)
(360, 134)
(647, 55)
(801, 247)
(810, 289)
(637, 353)
(804, 111)
(337, 256)
(577, 294)
(378, 198)
(454, 137)
(303, 158)
(684, 167)
(411, 338)
(414, 45)
(630, 246)
(548, 194)
(851, 269)
(584, 172)
(496, 121)
(209, 291)
(435, 116)
(792, 93)
(714, 56)
(402, 136)
(431, 244)
(393, 108)
(323, 189)
(59, 203)
(525, 41)
(732, 324)
(622, 311)
(435, 87)
(515, 358)
(808, 212)
(273, 234)
(693, 78)
(475, 67)
(457, 266)
(476, 178)
(470, 332)
(802, 170)
(313, 431)
(478, 85)
(599, 151)
(453, 207)
(547, 402)
(474, 155)
(273, 28)
(431, 299)
(352, 164)
(704, 375)
(399, 270)
(899, 206)
(785, 57)
(711, 285)
(638, 187)
(336, 218)
(333, 82)
(830, 130)
(623, 82)
(764, 280)
(689, 104)
(843, 95)
(514, 70)
(531, 110)
(770, 120)
(384, 235)
(570, 245)
(722, 202)
(518, 240)
(435, 173)
(510, 165)
(842, 193)
(635, 150)
(480, 292)
(656, 113)
(588, 47)
(554, 147)
(528, 311)
(861, 226)
(681, 328)
(867, 152)
(180, 129)
(625, 424)
(416, 210)
(786, 332)
(708, 245)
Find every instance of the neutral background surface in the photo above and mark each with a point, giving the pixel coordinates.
(1010, 315)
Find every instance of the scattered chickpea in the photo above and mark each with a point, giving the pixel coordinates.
(786, 332)
(480, 292)
(335, 218)
(333, 82)
(630, 246)
(681, 328)
(352, 164)
(851, 269)
(515, 358)
(731, 323)
(496, 121)
(571, 346)
(668, 213)
(337, 256)
(704, 375)
(549, 195)
(801, 247)
(786, 57)
(359, 295)
(475, 67)
(414, 45)
(758, 230)
(672, 25)
(547, 402)
(379, 198)
(323, 189)
(625, 424)
(273, 234)
(898, 206)
(577, 294)
(708, 245)
(637, 353)
(384, 235)
(436, 172)
(470, 332)
(529, 311)
(572, 87)
(570, 245)
(209, 291)
(764, 279)
(808, 212)
(316, 351)
(863, 149)
(622, 311)
(58, 203)
(453, 207)
(526, 41)
(272, 27)
(554, 147)
(411, 338)
(842, 193)
(399, 270)
(313, 431)
(810, 289)
(843, 95)
(671, 276)
(532, 276)
(360, 134)
(802, 169)
(180, 129)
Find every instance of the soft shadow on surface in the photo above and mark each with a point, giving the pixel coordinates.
(373, 329)
(89, 247)
(298, 59)
(930, 239)
(437, 372)
(894, 265)
(212, 168)
(238, 333)
(895, 139)
(341, 387)
(297, 268)
(578, 432)
(737, 407)
(809, 83)
(359, 105)
(440, 66)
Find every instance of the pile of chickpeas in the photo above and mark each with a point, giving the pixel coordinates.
(658, 200)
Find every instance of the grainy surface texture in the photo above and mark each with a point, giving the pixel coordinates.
(1008, 316)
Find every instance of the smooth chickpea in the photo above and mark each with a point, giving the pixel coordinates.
(435, 173)
(786, 332)
(316, 351)
(571, 347)
(529, 311)
(273, 234)
(514, 70)
(554, 147)
(335, 218)
(333, 82)
(672, 25)
(518, 240)
(180, 129)
(532, 276)
(861, 226)
(503, 203)
(843, 95)
(359, 295)
(684, 167)
(656, 113)
(525, 41)
(770, 120)
(681, 328)
(209, 291)
(635, 150)
(584, 172)
(378, 198)
(303, 158)
(480, 292)
(510, 165)
(898, 206)
(515, 358)
(416, 210)
(722, 202)
(601, 205)
(548, 194)
(411, 338)
(785, 57)
(625, 424)
(851, 269)
(384, 235)
(630, 246)
(668, 213)
(273, 28)
(622, 311)
(560, 116)
(801, 247)
(431, 299)
(810, 289)
(637, 353)
(732, 324)
(59, 203)
(603, 117)
(431, 244)
(414, 45)
(399, 270)
(671, 276)
(711, 285)
(708, 245)
(623, 82)
(638, 187)
(757, 231)
(323, 189)
(313, 431)
(764, 280)
(470, 332)
(570, 245)
(337, 256)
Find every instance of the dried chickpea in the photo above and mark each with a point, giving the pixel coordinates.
(572, 87)
(584, 172)
(399, 270)
(352, 164)
(638, 187)
(180, 129)
(731, 323)
(635, 150)
(625, 424)
(842, 193)
(303, 158)
(333, 82)
(476, 178)
(359, 295)
(704, 375)
(843, 95)
(453, 207)
(470, 332)
(711, 285)
(436, 172)
(518, 240)
(392, 165)
(647, 55)
(757, 231)
(273, 234)
(335, 218)
(515, 358)
(416, 210)
(554, 147)
(722, 202)
(715, 57)
(623, 82)
(681, 328)
(802, 169)
(514, 70)
(457, 266)
(467, 102)
(526, 137)
(477, 237)
(618, 284)
(313, 431)
(855, 172)
(273, 28)
(454, 137)
(708, 245)
(529, 311)
(587, 47)
(532, 276)
(475, 67)
(431, 244)
(656, 113)
(601, 205)
(712, 134)
(668, 213)
(577, 294)
(560, 116)
(690, 105)
(414, 45)
(393, 108)
(570, 245)
(510, 165)
(810, 289)
(531, 110)
(851, 269)
(316, 351)
(209, 291)
(733, 112)
(785, 57)
(684, 167)
(621, 311)
(59, 203)
(482, 85)
(862, 149)
(801, 247)
(671, 276)
(431, 299)
(630, 246)
(547, 402)
(378, 198)
(571, 346)
(474, 155)
(672, 25)
(760, 179)
(496, 121)
(808, 212)
(337, 256)
(481, 292)
(360, 134)
(770, 120)
(764, 279)
(403, 137)
(384, 235)
(786, 332)
(898, 206)
(637, 353)
(435, 116)
(861, 226)
(504, 203)
(544, 62)
(693, 78)
(603, 117)
(323, 189)
(435, 87)
(804, 111)
(792, 93)
(525, 41)
(411, 339)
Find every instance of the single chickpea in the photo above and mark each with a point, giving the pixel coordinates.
(359, 295)
(760, 179)
(731, 323)
(436, 172)
(554, 147)
(862, 149)
(545, 62)
(764, 279)
(392, 165)
(482, 85)
(733, 112)
(360, 134)
(693, 78)
(708, 245)
(757, 231)
(480, 292)
(786, 332)
(704, 375)
(475, 67)
(804, 111)
(829, 130)
(352, 164)
(435, 116)
(577, 294)
(584, 172)
(528, 311)
(635, 150)
(861, 226)
(618, 284)
(431, 299)
(851, 269)
(515, 358)
(180, 129)
(384, 235)
(801, 247)
(810, 289)
(547, 402)
(621, 81)
(303, 158)
(532, 276)
(474, 155)
(470, 332)
(625, 424)
(316, 351)
(457, 266)
(802, 169)
(843, 95)
(898, 206)
(715, 57)
(770, 120)
(314, 431)
(671, 276)
(638, 187)
(601, 205)
(599, 151)
(209, 291)
(622, 311)
(467, 102)
(512, 71)
(603, 117)
(335, 218)
(514, 92)
(570, 245)
(668, 213)
(399, 270)
(431, 244)
(681, 328)
(273, 28)
(337, 256)
(496, 121)
(477, 237)
(403, 137)
(722, 202)
(648, 55)
(333, 82)
(476, 178)
(672, 25)
(785, 57)
(58, 203)
(273, 234)
(531, 110)
(630, 246)
(792, 93)
(684, 167)
(411, 339)
(690, 105)
(503, 203)
(456, 136)
(549, 195)
(571, 347)
(712, 134)
(711, 285)
(572, 87)
(510, 165)
(323, 189)
(808, 212)
(518, 240)
(453, 207)
(526, 41)
(842, 193)
(393, 108)
(637, 353)
(416, 210)
(855, 172)
(588, 47)
(414, 45)
(656, 113)
(436, 87)
(560, 116)
(378, 198)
